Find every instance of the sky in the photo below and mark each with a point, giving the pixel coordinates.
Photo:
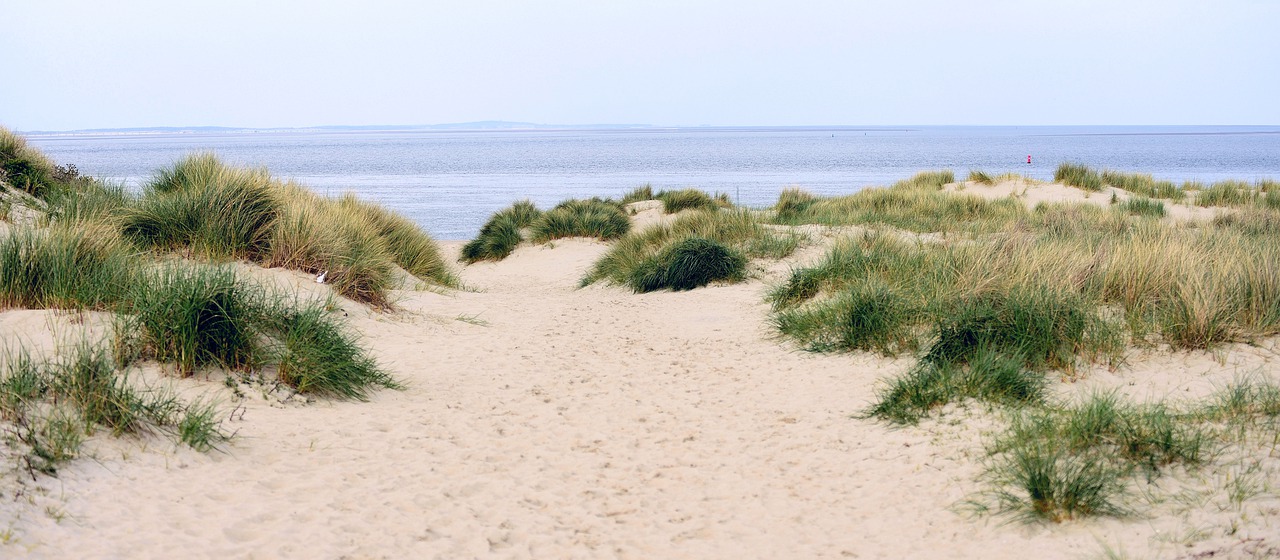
(70, 65)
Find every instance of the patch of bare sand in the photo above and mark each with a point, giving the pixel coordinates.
(546, 421)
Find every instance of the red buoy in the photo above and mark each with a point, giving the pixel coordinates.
(1028, 159)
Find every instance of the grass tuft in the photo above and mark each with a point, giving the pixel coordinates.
(1078, 175)
(501, 234)
(690, 263)
(687, 199)
(600, 219)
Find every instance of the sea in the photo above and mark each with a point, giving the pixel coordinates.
(451, 181)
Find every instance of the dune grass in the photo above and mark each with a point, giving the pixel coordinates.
(977, 176)
(410, 247)
(207, 208)
(24, 167)
(916, 204)
(1061, 284)
(686, 199)
(1143, 184)
(595, 218)
(501, 234)
(88, 268)
(54, 405)
(195, 317)
(1062, 462)
(1141, 206)
(692, 262)
(638, 194)
(204, 208)
(739, 230)
(1078, 175)
(316, 355)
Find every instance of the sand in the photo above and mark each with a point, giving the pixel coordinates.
(545, 421)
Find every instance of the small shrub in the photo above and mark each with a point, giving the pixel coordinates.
(687, 264)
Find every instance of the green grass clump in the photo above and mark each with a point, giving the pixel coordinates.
(1044, 327)
(409, 246)
(737, 229)
(638, 194)
(207, 208)
(867, 317)
(600, 219)
(976, 176)
(88, 202)
(1141, 206)
(197, 316)
(690, 263)
(316, 355)
(686, 199)
(86, 268)
(501, 234)
(792, 205)
(1078, 175)
(24, 167)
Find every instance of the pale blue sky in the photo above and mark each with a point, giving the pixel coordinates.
(75, 65)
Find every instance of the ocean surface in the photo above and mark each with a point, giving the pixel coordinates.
(451, 181)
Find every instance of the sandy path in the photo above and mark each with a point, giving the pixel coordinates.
(561, 423)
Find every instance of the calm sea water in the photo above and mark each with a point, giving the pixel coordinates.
(450, 182)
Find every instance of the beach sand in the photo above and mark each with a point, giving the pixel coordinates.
(541, 420)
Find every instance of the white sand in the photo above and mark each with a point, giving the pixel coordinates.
(545, 421)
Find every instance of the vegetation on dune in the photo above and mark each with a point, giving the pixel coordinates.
(52, 406)
(1141, 206)
(690, 199)
(24, 167)
(92, 247)
(1065, 282)
(738, 230)
(501, 234)
(1078, 175)
(979, 177)
(596, 218)
(917, 204)
(638, 194)
(692, 262)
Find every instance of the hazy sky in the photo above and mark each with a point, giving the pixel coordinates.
(262, 63)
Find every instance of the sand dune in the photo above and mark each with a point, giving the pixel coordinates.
(545, 421)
